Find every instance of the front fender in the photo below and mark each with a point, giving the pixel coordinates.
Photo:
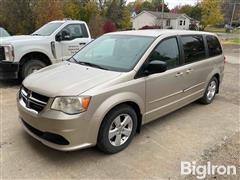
(107, 105)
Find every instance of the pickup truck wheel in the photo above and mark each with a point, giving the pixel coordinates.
(30, 66)
(210, 92)
(117, 129)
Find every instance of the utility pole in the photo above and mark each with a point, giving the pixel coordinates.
(162, 13)
(234, 7)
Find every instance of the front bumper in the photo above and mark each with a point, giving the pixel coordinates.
(73, 131)
(8, 70)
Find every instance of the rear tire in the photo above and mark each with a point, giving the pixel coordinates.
(210, 91)
(117, 129)
(30, 66)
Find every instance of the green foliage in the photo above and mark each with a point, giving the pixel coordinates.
(125, 19)
(71, 9)
(211, 14)
(154, 5)
(46, 11)
(192, 11)
(24, 16)
(16, 16)
(88, 10)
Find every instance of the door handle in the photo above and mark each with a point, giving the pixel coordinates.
(82, 43)
(179, 74)
(189, 71)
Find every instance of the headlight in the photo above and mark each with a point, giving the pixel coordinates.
(71, 105)
(9, 52)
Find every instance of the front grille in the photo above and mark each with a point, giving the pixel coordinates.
(33, 100)
(2, 53)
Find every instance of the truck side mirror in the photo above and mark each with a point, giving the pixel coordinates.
(65, 35)
(58, 37)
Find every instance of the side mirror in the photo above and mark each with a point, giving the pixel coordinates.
(65, 35)
(156, 66)
(58, 37)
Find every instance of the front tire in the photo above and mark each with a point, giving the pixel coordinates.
(30, 66)
(210, 92)
(117, 129)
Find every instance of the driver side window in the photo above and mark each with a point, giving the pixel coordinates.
(168, 52)
(72, 31)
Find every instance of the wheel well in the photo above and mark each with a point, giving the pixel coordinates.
(137, 110)
(218, 78)
(35, 55)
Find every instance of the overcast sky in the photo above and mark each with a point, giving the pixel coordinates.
(173, 3)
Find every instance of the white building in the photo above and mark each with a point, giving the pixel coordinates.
(152, 18)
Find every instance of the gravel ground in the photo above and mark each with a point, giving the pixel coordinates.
(225, 153)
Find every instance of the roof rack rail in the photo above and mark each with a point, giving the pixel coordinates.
(67, 19)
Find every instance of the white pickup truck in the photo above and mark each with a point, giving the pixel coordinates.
(54, 42)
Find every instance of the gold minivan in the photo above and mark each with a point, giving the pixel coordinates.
(120, 81)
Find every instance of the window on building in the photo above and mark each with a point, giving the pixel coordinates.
(168, 22)
(180, 22)
(184, 22)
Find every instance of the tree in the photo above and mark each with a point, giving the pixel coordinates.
(125, 19)
(16, 16)
(46, 11)
(146, 5)
(157, 6)
(71, 9)
(227, 7)
(109, 26)
(88, 10)
(211, 14)
(96, 25)
(192, 11)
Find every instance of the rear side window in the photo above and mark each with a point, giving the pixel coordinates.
(214, 47)
(168, 52)
(193, 47)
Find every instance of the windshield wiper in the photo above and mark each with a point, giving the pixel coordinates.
(91, 64)
(35, 34)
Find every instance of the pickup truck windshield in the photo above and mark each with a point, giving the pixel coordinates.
(3, 33)
(47, 29)
(114, 52)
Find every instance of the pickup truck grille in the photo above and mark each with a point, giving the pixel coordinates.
(32, 100)
(2, 53)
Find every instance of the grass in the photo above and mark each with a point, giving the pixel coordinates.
(234, 41)
(219, 30)
(214, 29)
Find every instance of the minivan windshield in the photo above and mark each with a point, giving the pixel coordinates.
(114, 52)
(47, 29)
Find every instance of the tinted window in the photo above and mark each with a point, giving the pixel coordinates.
(74, 30)
(167, 51)
(193, 47)
(214, 47)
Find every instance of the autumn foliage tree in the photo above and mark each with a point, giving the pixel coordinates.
(46, 11)
(211, 14)
(109, 26)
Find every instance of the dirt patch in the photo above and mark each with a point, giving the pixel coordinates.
(226, 153)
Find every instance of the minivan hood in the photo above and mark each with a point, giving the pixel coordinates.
(13, 39)
(67, 79)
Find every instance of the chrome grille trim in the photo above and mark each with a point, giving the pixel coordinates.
(30, 102)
